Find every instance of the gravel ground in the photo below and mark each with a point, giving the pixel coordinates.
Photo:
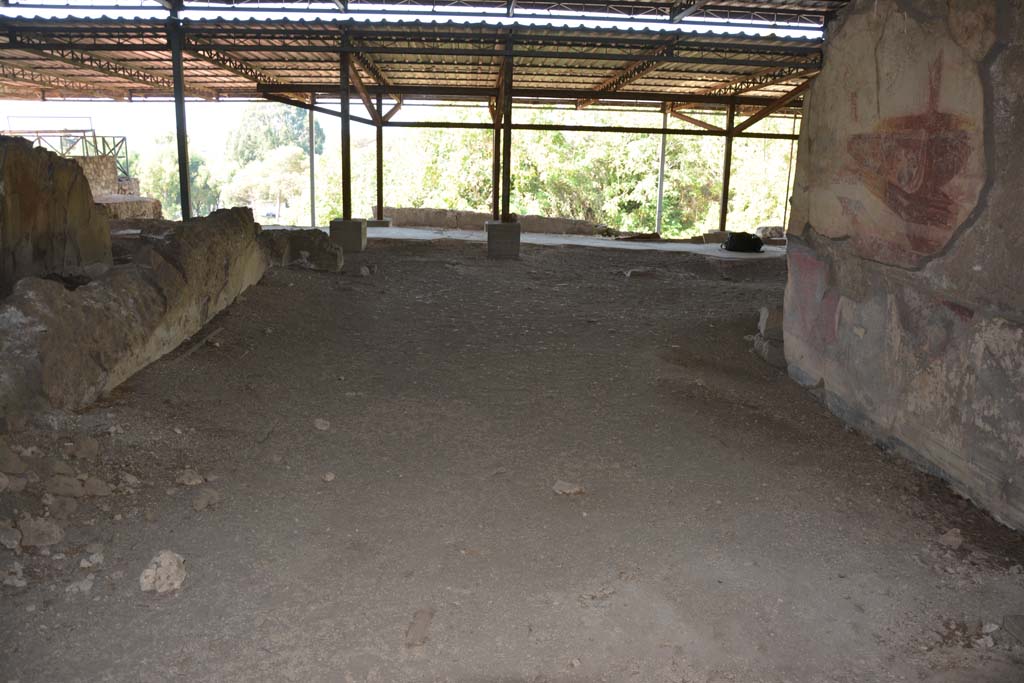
(374, 461)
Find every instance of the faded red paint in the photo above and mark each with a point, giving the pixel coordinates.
(813, 303)
(907, 162)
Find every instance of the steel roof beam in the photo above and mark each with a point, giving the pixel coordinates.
(227, 62)
(83, 60)
(552, 93)
(681, 9)
(43, 81)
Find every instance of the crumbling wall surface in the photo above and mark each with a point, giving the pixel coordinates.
(101, 172)
(48, 222)
(904, 306)
(449, 219)
(126, 207)
(64, 348)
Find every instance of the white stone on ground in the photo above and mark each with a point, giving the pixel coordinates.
(566, 488)
(190, 477)
(166, 572)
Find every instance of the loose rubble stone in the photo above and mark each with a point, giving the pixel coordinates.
(62, 507)
(10, 538)
(329, 476)
(14, 576)
(989, 628)
(566, 488)
(82, 587)
(321, 424)
(166, 572)
(39, 532)
(10, 462)
(952, 539)
(61, 467)
(63, 485)
(190, 477)
(416, 634)
(94, 560)
(984, 642)
(205, 497)
(86, 447)
(96, 487)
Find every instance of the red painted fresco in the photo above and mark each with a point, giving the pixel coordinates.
(907, 162)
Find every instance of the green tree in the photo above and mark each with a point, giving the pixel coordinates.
(276, 181)
(265, 127)
(158, 178)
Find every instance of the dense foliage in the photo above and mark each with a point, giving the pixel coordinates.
(607, 178)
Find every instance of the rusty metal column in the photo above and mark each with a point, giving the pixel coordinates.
(380, 159)
(346, 147)
(506, 161)
(312, 162)
(727, 168)
(176, 37)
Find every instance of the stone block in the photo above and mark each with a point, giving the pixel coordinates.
(381, 223)
(502, 239)
(48, 222)
(350, 234)
(770, 324)
(311, 249)
(771, 351)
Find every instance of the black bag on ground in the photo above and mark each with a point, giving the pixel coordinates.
(742, 241)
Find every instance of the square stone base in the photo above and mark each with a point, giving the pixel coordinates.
(375, 223)
(502, 239)
(350, 235)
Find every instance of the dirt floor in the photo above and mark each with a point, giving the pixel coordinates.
(730, 529)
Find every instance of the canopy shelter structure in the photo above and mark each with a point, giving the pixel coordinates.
(666, 62)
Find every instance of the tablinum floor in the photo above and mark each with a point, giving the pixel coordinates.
(730, 528)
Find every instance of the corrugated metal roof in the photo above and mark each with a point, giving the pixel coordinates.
(130, 58)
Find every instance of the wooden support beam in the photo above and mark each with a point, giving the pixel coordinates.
(176, 37)
(723, 216)
(506, 143)
(695, 121)
(346, 139)
(774, 106)
(380, 159)
(357, 82)
(394, 110)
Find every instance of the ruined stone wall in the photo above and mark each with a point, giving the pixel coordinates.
(449, 219)
(904, 306)
(48, 222)
(101, 172)
(63, 349)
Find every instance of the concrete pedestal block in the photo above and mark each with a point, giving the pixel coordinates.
(381, 223)
(502, 239)
(350, 235)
